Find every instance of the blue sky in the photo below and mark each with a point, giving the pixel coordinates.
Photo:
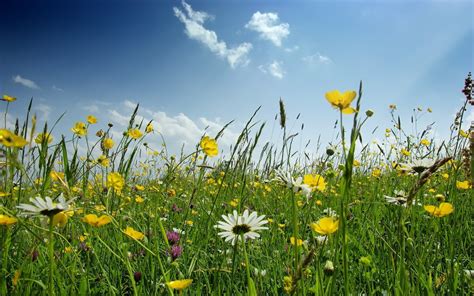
(203, 63)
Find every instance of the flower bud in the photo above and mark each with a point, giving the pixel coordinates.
(329, 268)
(369, 113)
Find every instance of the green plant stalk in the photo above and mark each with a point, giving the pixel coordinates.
(6, 246)
(51, 257)
(250, 283)
(295, 231)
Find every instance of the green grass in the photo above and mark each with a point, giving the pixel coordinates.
(387, 250)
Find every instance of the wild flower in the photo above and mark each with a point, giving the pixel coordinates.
(463, 185)
(326, 225)
(134, 133)
(46, 206)
(91, 119)
(209, 146)
(8, 99)
(137, 235)
(43, 137)
(149, 128)
(444, 209)
(79, 128)
(7, 220)
(341, 101)
(115, 181)
(95, 221)
(235, 226)
(179, 284)
(9, 139)
(107, 144)
(315, 182)
(418, 165)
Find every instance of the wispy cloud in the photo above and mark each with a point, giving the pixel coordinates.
(177, 130)
(317, 58)
(43, 110)
(269, 27)
(194, 28)
(292, 49)
(54, 87)
(275, 69)
(25, 82)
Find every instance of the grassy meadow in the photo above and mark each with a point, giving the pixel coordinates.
(122, 218)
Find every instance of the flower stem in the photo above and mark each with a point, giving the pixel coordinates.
(295, 231)
(250, 284)
(51, 257)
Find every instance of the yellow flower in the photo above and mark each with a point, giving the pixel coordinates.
(134, 133)
(7, 220)
(425, 142)
(100, 208)
(445, 176)
(79, 128)
(139, 199)
(189, 222)
(16, 278)
(209, 146)
(376, 173)
(405, 152)
(149, 128)
(8, 99)
(68, 250)
(444, 209)
(107, 144)
(299, 241)
(463, 134)
(139, 187)
(342, 101)
(326, 225)
(316, 182)
(95, 221)
(356, 163)
(133, 233)
(9, 139)
(179, 284)
(392, 107)
(60, 219)
(115, 181)
(429, 110)
(463, 185)
(91, 119)
(57, 176)
(103, 161)
(40, 138)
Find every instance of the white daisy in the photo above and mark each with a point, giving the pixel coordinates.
(46, 206)
(295, 185)
(234, 226)
(418, 165)
(399, 199)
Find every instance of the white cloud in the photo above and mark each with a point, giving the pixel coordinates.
(91, 108)
(44, 111)
(317, 58)
(292, 49)
(176, 129)
(54, 87)
(194, 28)
(275, 69)
(267, 24)
(25, 82)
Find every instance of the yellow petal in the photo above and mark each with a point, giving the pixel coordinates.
(430, 209)
(445, 208)
(348, 97)
(333, 97)
(348, 110)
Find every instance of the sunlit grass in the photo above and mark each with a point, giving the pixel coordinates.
(392, 218)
